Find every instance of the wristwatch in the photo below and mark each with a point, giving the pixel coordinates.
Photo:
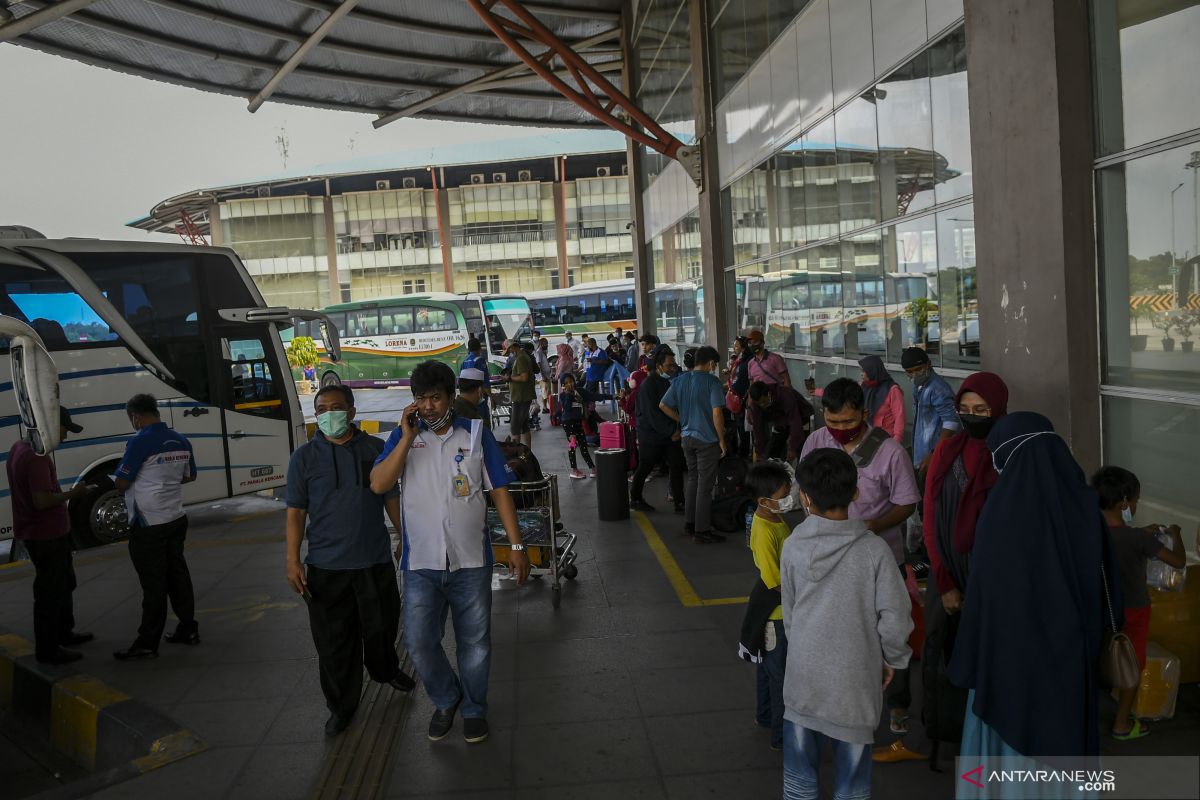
(520, 548)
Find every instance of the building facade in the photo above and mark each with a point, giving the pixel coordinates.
(1010, 184)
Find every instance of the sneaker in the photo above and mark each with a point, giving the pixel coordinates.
(475, 729)
(895, 752)
(703, 537)
(59, 656)
(441, 722)
(402, 683)
(336, 724)
(592, 474)
(639, 504)
(72, 639)
(135, 653)
(184, 637)
(577, 475)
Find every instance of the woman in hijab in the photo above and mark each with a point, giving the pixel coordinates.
(885, 400)
(566, 361)
(959, 479)
(1031, 624)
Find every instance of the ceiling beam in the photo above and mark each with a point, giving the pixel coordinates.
(49, 13)
(302, 51)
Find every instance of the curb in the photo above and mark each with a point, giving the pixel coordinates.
(103, 730)
(371, 426)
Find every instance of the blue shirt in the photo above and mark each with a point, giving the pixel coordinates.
(444, 530)
(933, 412)
(598, 364)
(332, 482)
(156, 461)
(694, 395)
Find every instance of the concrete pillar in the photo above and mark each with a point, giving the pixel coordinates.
(719, 315)
(1032, 149)
(331, 253)
(643, 264)
(442, 198)
(560, 226)
(214, 224)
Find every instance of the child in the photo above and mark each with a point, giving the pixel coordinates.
(771, 483)
(1119, 491)
(572, 407)
(847, 617)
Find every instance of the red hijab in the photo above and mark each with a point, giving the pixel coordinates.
(977, 459)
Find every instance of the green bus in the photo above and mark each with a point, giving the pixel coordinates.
(383, 340)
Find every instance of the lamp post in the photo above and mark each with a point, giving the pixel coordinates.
(1174, 268)
(1194, 165)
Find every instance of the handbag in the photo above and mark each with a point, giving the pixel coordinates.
(1118, 661)
(733, 402)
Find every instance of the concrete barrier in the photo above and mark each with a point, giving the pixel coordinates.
(103, 730)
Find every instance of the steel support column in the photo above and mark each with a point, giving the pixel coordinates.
(719, 327)
(643, 266)
(560, 214)
(301, 53)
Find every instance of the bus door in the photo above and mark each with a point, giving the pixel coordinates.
(255, 414)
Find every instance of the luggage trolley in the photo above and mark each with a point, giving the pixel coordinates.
(501, 405)
(550, 548)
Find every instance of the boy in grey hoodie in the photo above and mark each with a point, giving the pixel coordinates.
(847, 617)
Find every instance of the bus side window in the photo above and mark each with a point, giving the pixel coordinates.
(255, 386)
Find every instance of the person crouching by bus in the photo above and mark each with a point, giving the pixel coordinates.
(470, 403)
(347, 578)
(41, 524)
(572, 408)
(157, 462)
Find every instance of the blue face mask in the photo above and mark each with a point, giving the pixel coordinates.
(334, 424)
(1127, 516)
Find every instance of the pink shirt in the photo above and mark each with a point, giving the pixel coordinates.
(886, 482)
(770, 370)
(890, 415)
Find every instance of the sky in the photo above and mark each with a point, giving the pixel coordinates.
(84, 150)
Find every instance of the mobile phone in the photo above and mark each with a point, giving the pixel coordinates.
(412, 419)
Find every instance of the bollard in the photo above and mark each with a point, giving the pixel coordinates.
(612, 493)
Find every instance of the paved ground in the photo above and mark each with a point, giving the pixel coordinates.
(632, 689)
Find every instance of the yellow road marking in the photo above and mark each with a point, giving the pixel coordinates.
(683, 587)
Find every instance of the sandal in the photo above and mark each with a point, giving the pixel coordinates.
(1136, 731)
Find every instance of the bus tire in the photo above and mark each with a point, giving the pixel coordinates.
(99, 517)
(330, 378)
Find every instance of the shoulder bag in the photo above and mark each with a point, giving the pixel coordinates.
(1118, 661)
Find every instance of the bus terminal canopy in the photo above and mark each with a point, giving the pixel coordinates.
(438, 59)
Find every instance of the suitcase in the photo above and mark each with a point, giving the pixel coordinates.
(613, 435)
(554, 410)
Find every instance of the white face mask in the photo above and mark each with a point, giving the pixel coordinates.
(1025, 437)
(783, 504)
(1127, 516)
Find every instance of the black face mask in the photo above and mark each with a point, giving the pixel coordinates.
(977, 427)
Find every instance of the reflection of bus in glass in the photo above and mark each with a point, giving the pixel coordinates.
(383, 340)
(185, 324)
(676, 312)
(828, 313)
(587, 309)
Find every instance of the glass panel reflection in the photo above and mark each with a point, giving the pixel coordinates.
(906, 157)
(789, 197)
(820, 182)
(1150, 235)
(958, 292)
(912, 289)
(748, 210)
(951, 117)
(858, 165)
(1158, 442)
(863, 328)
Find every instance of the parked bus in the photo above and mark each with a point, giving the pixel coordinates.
(383, 340)
(185, 324)
(586, 309)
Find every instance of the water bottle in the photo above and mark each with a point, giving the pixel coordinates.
(749, 524)
(495, 581)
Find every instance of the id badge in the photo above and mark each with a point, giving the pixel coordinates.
(462, 487)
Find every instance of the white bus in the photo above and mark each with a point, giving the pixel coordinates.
(185, 324)
(586, 309)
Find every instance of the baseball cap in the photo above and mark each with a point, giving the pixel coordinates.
(754, 336)
(913, 357)
(64, 419)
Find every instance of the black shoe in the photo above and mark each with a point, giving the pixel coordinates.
(183, 638)
(402, 683)
(705, 537)
(475, 729)
(336, 724)
(679, 509)
(640, 505)
(714, 536)
(59, 656)
(441, 722)
(72, 639)
(135, 653)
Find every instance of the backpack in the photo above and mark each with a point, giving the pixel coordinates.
(730, 498)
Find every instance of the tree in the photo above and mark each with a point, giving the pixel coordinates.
(302, 352)
(920, 308)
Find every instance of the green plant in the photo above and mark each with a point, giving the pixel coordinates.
(1138, 314)
(302, 352)
(1163, 321)
(920, 309)
(1184, 324)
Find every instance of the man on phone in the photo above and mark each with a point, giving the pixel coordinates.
(348, 578)
(41, 524)
(444, 465)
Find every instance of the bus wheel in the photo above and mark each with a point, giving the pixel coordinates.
(330, 378)
(99, 517)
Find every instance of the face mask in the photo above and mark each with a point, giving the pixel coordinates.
(441, 422)
(976, 426)
(756, 347)
(334, 424)
(846, 436)
(922, 378)
(784, 504)
(1025, 437)
(1127, 516)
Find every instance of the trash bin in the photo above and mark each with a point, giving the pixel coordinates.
(612, 493)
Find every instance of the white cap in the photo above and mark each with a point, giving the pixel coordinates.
(472, 374)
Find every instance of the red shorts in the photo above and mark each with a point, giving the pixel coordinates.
(1137, 628)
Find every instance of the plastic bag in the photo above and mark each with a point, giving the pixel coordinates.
(1162, 576)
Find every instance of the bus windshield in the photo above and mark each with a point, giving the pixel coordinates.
(506, 318)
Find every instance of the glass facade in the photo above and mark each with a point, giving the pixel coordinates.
(1147, 108)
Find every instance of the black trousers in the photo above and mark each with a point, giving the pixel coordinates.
(355, 618)
(157, 555)
(652, 452)
(53, 611)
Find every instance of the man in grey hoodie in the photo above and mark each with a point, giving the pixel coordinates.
(847, 617)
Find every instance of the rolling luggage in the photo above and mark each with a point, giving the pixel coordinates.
(613, 435)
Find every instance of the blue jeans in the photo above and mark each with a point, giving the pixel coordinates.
(431, 594)
(774, 666)
(802, 762)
